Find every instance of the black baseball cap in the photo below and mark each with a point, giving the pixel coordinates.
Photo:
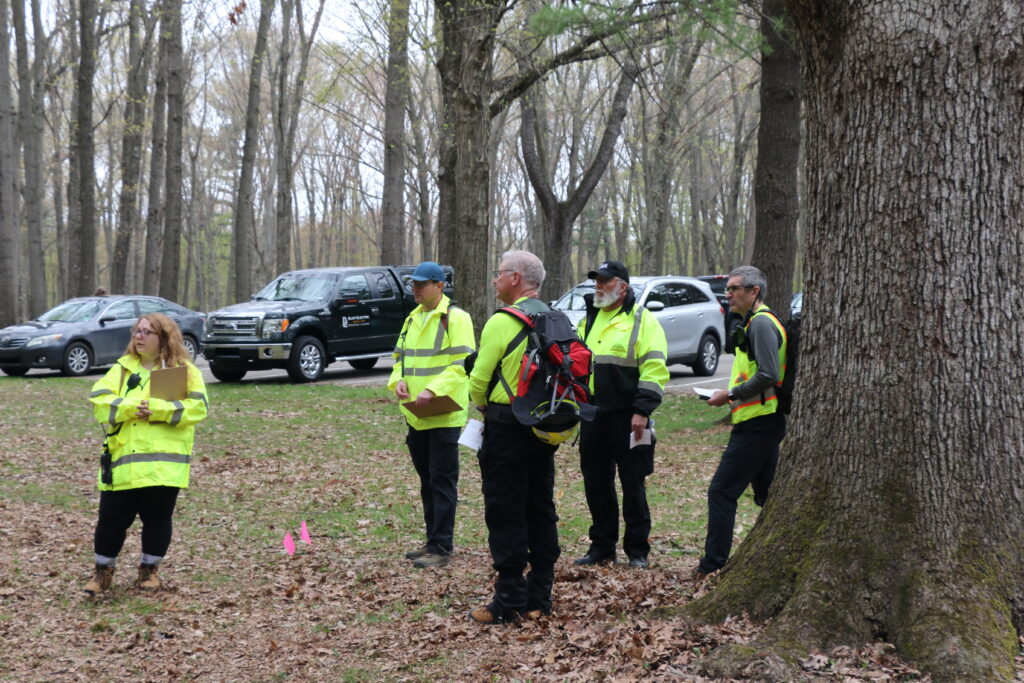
(610, 269)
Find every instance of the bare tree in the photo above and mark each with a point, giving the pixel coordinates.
(157, 170)
(897, 512)
(396, 99)
(777, 203)
(9, 261)
(244, 219)
(82, 235)
(170, 266)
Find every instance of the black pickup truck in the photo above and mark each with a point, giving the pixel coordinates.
(305, 319)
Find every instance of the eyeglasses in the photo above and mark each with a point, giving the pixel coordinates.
(734, 288)
(496, 273)
(139, 332)
(416, 284)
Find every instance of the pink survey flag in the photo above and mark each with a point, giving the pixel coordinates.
(289, 544)
(304, 534)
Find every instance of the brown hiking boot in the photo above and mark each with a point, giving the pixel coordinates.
(101, 580)
(418, 553)
(148, 580)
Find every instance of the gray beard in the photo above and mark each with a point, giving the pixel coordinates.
(602, 299)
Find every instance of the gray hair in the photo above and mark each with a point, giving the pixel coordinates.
(526, 264)
(752, 277)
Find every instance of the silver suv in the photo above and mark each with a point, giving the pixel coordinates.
(685, 306)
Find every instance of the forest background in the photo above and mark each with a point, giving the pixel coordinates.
(195, 150)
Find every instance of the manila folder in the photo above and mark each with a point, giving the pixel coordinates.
(437, 406)
(170, 384)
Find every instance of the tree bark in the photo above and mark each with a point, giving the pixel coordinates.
(778, 148)
(157, 170)
(10, 276)
(396, 96)
(898, 510)
(131, 148)
(82, 235)
(170, 265)
(244, 223)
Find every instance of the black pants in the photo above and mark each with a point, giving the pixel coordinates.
(153, 504)
(518, 473)
(750, 458)
(435, 455)
(604, 447)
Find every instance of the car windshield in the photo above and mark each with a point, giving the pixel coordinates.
(73, 311)
(298, 288)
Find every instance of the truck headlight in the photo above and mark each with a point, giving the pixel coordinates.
(45, 340)
(272, 326)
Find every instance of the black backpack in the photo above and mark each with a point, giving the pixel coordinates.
(785, 391)
(553, 393)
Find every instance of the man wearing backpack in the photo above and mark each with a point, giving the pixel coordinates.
(517, 468)
(430, 361)
(629, 378)
(758, 425)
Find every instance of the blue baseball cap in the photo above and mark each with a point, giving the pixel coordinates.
(428, 270)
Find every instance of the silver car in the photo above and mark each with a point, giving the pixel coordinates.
(685, 306)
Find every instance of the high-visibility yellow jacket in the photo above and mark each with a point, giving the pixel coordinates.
(629, 350)
(499, 331)
(754, 385)
(153, 452)
(431, 354)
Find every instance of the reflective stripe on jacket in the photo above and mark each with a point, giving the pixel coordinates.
(153, 452)
(630, 351)
(744, 367)
(431, 355)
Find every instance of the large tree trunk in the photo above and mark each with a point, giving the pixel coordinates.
(170, 266)
(10, 280)
(131, 148)
(898, 510)
(244, 223)
(157, 169)
(82, 245)
(466, 73)
(396, 96)
(778, 149)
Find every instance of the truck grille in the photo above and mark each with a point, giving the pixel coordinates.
(233, 326)
(12, 342)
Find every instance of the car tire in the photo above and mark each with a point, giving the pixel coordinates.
(707, 357)
(363, 363)
(226, 374)
(15, 371)
(306, 362)
(191, 346)
(77, 360)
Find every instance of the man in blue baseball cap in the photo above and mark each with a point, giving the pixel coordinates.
(430, 361)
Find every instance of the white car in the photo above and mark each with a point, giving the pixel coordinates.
(685, 306)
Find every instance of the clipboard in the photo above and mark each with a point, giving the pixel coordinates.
(169, 384)
(438, 405)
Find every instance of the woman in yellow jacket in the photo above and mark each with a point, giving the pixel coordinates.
(147, 449)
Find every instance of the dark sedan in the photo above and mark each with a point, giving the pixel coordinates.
(87, 332)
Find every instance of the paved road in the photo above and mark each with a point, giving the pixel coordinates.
(682, 378)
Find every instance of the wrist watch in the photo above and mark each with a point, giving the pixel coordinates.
(732, 396)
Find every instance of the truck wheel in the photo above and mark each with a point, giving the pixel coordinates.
(191, 346)
(707, 357)
(77, 360)
(226, 374)
(363, 363)
(306, 362)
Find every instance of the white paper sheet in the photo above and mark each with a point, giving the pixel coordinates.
(473, 435)
(645, 439)
(704, 393)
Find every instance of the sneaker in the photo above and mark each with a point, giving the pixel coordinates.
(101, 580)
(432, 560)
(593, 558)
(148, 580)
(418, 553)
(638, 563)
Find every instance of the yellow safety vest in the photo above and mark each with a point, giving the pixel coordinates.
(153, 452)
(431, 354)
(744, 367)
